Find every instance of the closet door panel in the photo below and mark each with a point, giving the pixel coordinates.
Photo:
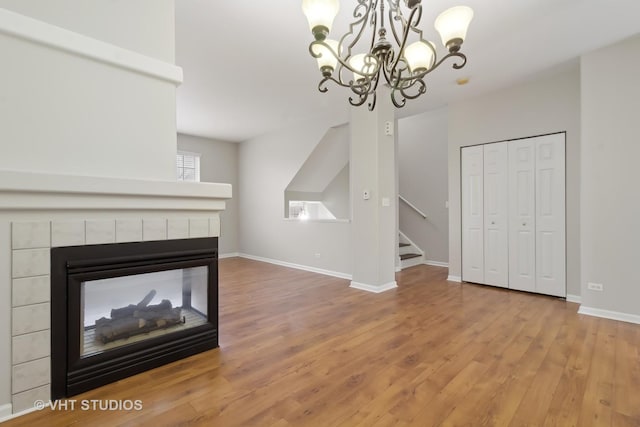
(550, 215)
(472, 214)
(496, 240)
(522, 215)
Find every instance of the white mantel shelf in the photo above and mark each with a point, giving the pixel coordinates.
(36, 191)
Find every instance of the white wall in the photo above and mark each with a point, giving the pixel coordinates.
(266, 166)
(336, 196)
(218, 163)
(610, 234)
(144, 26)
(422, 152)
(550, 103)
(65, 113)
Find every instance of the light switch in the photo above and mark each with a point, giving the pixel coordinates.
(386, 201)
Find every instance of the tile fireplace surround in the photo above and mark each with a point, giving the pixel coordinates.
(41, 211)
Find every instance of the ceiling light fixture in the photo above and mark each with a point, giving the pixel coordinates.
(403, 65)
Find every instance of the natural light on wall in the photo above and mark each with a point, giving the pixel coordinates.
(305, 210)
(188, 166)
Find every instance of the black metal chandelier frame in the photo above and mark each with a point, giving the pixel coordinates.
(381, 58)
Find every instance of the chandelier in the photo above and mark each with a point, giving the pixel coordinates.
(403, 64)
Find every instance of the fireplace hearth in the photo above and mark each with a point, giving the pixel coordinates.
(123, 308)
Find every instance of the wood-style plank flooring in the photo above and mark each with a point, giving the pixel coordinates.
(301, 349)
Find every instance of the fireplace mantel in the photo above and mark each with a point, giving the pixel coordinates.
(38, 191)
(40, 211)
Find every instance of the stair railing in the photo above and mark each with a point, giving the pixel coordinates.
(412, 206)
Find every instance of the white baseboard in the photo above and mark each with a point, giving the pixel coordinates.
(454, 279)
(437, 263)
(297, 266)
(606, 314)
(6, 412)
(373, 288)
(574, 298)
(229, 255)
(17, 414)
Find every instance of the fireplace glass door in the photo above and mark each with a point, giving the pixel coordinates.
(123, 310)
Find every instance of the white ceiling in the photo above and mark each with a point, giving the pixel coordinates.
(247, 70)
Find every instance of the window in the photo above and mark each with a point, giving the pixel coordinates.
(188, 165)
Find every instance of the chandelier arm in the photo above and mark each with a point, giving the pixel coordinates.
(362, 100)
(372, 104)
(405, 35)
(343, 63)
(361, 20)
(361, 87)
(357, 88)
(387, 77)
(456, 66)
(396, 103)
(374, 24)
(395, 14)
(422, 88)
(404, 95)
(414, 27)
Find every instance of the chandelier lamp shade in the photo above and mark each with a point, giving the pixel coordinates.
(384, 41)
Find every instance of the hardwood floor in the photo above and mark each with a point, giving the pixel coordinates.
(301, 349)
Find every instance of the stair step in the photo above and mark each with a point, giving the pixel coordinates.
(404, 245)
(409, 256)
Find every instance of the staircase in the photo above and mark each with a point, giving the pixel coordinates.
(410, 254)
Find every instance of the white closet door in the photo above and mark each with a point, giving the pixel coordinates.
(522, 242)
(550, 215)
(496, 238)
(472, 214)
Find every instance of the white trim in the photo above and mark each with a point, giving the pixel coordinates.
(297, 266)
(44, 34)
(437, 263)
(373, 288)
(39, 191)
(574, 298)
(21, 413)
(606, 314)
(229, 255)
(5, 412)
(454, 279)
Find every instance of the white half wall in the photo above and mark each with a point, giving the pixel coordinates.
(218, 163)
(547, 104)
(422, 152)
(610, 235)
(267, 164)
(66, 112)
(88, 90)
(143, 26)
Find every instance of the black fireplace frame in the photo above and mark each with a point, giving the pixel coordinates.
(72, 373)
